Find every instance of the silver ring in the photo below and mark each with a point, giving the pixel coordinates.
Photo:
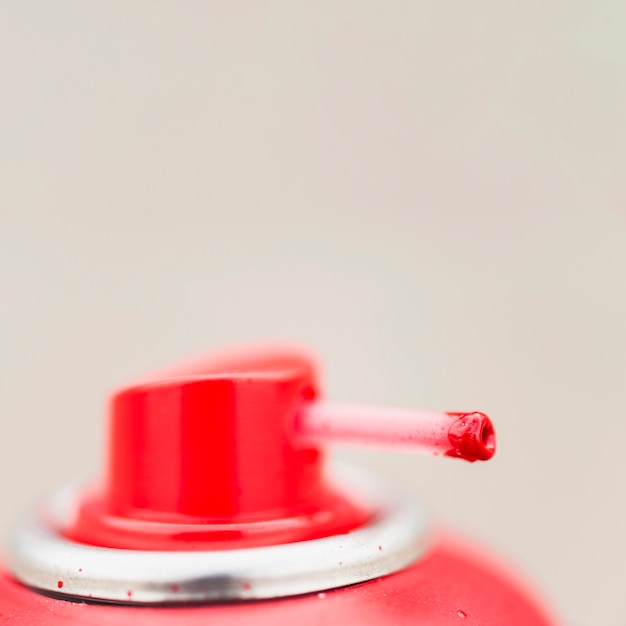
(394, 539)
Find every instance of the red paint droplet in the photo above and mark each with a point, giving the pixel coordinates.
(129, 593)
(175, 588)
(380, 547)
(340, 562)
(246, 586)
(461, 614)
(60, 584)
(80, 569)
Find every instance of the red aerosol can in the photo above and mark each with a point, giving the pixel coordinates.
(217, 507)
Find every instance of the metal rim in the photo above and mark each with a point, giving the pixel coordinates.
(394, 539)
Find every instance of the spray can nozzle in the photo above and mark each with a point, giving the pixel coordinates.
(228, 452)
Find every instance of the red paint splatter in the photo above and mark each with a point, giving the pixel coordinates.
(129, 593)
(80, 569)
(380, 547)
(246, 585)
(472, 437)
(60, 584)
(175, 588)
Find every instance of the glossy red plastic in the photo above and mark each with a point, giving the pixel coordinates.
(203, 457)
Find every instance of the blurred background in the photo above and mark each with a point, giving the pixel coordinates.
(430, 194)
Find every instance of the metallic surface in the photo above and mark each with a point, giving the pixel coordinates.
(453, 584)
(41, 558)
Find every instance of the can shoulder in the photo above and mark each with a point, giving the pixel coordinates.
(453, 584)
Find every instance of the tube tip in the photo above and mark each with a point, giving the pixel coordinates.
(472, 436)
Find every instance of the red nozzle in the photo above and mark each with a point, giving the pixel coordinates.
(224, 454)
(204, 457)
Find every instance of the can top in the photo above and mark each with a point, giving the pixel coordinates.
(215, 488)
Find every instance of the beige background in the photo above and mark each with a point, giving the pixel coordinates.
(432, 194)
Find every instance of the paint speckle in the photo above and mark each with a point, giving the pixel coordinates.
(129, 594)
(461, 614)
(340, 562)
(246, 586)
(380, 548)
(175, 588)
(80, 569)
(60, 584)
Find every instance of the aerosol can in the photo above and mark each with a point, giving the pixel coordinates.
(217, 507)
